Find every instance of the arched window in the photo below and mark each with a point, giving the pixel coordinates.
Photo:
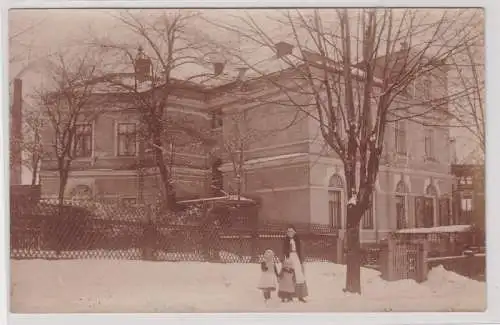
(336, 182)
(431, 190)
(335, 189)
(82, 192)
(401, 205)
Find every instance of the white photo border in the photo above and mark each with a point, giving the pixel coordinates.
(491, 316)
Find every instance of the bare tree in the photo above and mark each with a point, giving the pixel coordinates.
(360, 70)
(468, 110)
(68, 107)
(237, 140)
(31, 142)
(171, 54)
(243, 130)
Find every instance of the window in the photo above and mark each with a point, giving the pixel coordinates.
(419, 213)
(428, 213)
(427, 88)
(83, 140)
(335, 209)
(425, 207)
(127, 139)
(429, 143)
(465, 210)
(429, 206)
(216, 119)
(129, 201)
(81, 192)
(336, 185)
(466, 204)
(444, 212)
(367, 220)
(401, 198)
(400, 137)
(401, 211)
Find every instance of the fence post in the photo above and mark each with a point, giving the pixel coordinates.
(254, 240)
(423, 266)
(391, 258)
(149, 238)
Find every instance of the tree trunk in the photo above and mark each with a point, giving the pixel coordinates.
(169, 193)
(34, 174)
(63, 181)
(353, 256)
(58, 230)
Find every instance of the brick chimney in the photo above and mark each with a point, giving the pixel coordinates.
(16, 133)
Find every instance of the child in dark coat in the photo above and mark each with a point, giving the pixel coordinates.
(286, 281)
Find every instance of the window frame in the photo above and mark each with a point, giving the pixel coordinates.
(335, 201)
(368, 219)
(335, 208)
(400, 203)
(429, 149)
(427, 88)
(120, 134)
(400, 139)
(80, 137)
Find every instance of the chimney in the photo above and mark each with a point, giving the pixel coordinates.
(283, 49)
(241, 72)
(218, 68)
(16, 133)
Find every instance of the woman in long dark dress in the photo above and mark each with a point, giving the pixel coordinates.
(293, 251)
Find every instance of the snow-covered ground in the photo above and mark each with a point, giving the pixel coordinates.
(80, 286)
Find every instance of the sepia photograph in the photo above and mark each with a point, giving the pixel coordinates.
(280, 160)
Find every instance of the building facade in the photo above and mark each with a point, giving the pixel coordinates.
(300, 180)
(113, 163)
(271, 151)
(468, 194)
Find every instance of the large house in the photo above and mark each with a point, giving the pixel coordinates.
(469, 189)
(267, 150)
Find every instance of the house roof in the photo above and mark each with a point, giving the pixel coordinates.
(269, 67)
(229, 199)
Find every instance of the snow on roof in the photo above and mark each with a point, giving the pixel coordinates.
(231, 197)
(440, 229)
(265, 159)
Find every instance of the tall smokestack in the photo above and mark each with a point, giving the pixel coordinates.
(16, 133)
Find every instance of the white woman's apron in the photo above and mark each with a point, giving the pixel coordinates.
(297, 266)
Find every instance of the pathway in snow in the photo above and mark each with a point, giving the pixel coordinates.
(80, 286)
